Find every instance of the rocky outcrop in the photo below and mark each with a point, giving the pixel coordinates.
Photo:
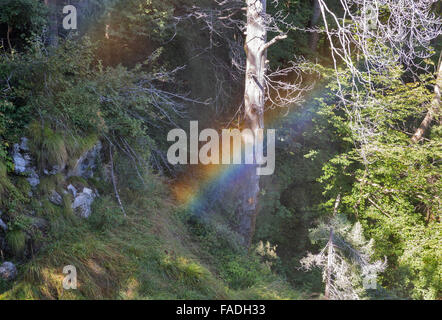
(8, 271)
(23, 162)
(84, 167)
(82, 197)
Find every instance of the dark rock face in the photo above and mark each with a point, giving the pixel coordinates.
(56, 198)
(8, 271)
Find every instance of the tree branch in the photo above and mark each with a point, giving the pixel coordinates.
(273, 41)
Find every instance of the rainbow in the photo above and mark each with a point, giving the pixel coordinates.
(192, 189)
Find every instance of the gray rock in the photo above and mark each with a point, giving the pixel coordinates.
(56, 198)
(8, 271)
(20, 163)
(86, 163)
(20, 157)
(23, 162)
(82, 203)
(33, 178)
(88, 191)
(72, 189)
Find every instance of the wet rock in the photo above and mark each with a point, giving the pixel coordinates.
(8, 271)
(87, 163)
(83, 202)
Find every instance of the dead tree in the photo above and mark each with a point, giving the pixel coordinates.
(314, 36)
(345, 259)
(370, 38)
(264, 88)
(434, 108)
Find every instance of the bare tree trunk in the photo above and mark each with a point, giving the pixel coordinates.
(330, 251)
(314, 36)
(254, 99)
(53, 22)
(433, 110)
(8, 37)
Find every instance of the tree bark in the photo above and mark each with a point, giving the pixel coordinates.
(314, 36)
(433, 110)
(254, 100)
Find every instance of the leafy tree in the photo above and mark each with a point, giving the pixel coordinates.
(22, 19)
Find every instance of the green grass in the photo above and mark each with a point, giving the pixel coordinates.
(153, 253)
(47, 145)
(16, 240)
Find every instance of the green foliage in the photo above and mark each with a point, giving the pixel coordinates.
(23, 17)
(23, 185)
(391, 185)
(105, 214)
(10, 196)
(128, 24)
(241, 270)
(49, 184)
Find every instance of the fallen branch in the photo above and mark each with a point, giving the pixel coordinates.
(114, 181)
(377, 207)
